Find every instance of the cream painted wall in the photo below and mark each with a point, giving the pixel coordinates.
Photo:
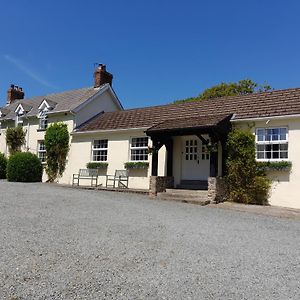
(102, 102)
(286, 185)
(118, 153)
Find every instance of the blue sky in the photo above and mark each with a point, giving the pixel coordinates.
(158, 51)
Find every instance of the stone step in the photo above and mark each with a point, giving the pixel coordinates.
(184, 199)
(192, 187)
(186, 196)
(196, 193)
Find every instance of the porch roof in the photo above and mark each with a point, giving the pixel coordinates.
(191, 123)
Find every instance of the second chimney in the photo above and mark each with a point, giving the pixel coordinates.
(101, 76)
(14, 93)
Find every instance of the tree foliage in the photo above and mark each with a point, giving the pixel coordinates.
(246, 182)
(57, 148)
(24, 167)
(15, 139)
(242, 87)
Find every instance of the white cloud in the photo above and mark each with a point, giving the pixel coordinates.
(21, 66)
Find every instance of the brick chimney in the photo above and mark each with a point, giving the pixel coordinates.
(101, 76)
(13, 93)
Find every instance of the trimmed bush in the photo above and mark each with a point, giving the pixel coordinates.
(3, 163)
(24, 167)
(246, 182)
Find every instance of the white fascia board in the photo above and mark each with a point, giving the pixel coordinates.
(108, 130)
(266, 118)
(19, 108)
(103, 89)
(43, 104)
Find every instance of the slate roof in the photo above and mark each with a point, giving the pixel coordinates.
(274, 103)
(62, 102)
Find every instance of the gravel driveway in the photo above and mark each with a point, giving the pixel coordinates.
(61, 243)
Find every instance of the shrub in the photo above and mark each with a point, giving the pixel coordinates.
(3, 164)
(15, 139)
(97, 165)
(24, 167)
(57, 148)
(246, 182)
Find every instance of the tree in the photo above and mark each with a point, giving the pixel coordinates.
(57, 148)
(15, 139)
(242, 87)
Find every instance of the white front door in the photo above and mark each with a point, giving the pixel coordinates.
(195, 159)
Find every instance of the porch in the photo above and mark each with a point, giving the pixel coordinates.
(195, 155)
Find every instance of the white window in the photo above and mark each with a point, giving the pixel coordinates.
(43, 124)
(19, 119)
(41, 151)
(271, 143)
(99, 150)
(191, 150)
(139, 149)
(204, 152)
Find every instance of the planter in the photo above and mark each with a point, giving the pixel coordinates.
(97, 165)
(136, 165)
(275, 166)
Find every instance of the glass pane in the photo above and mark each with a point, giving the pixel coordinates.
(260, 155)
(283, 155)
(260, 147)
(275, 147)
(283, 146)
(275, 154)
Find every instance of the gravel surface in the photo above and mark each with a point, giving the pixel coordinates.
(62, 243)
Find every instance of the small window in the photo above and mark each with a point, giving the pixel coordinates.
(272, 143)
(19, 119)
(99, 150)
(41, 151)
(43, 124)
(191, 150)
(139, 149)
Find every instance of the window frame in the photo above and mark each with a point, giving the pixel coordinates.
(99, 149)
(272, 142)
(139, 148)
(43, 120)
(39, 151)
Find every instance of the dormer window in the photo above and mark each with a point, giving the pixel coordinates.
(20, 111)
(43, 124)
(45, 106)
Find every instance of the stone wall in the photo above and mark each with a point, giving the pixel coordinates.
(159, 184)
(217, 189)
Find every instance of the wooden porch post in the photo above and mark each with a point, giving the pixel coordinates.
(213, 170)
(154, 170)
(169, 147)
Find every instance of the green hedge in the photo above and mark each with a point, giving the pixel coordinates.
(97, 165)
(3, 164)
(24, 167)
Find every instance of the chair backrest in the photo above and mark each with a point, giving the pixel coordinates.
(121, 173)
(88, 172)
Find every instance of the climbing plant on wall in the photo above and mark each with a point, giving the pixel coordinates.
(246, 182)
(57, 148)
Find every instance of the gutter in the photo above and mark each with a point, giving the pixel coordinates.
(265, 118)
(107, 130)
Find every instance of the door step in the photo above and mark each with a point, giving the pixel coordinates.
(185, 196)
(193, 185)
